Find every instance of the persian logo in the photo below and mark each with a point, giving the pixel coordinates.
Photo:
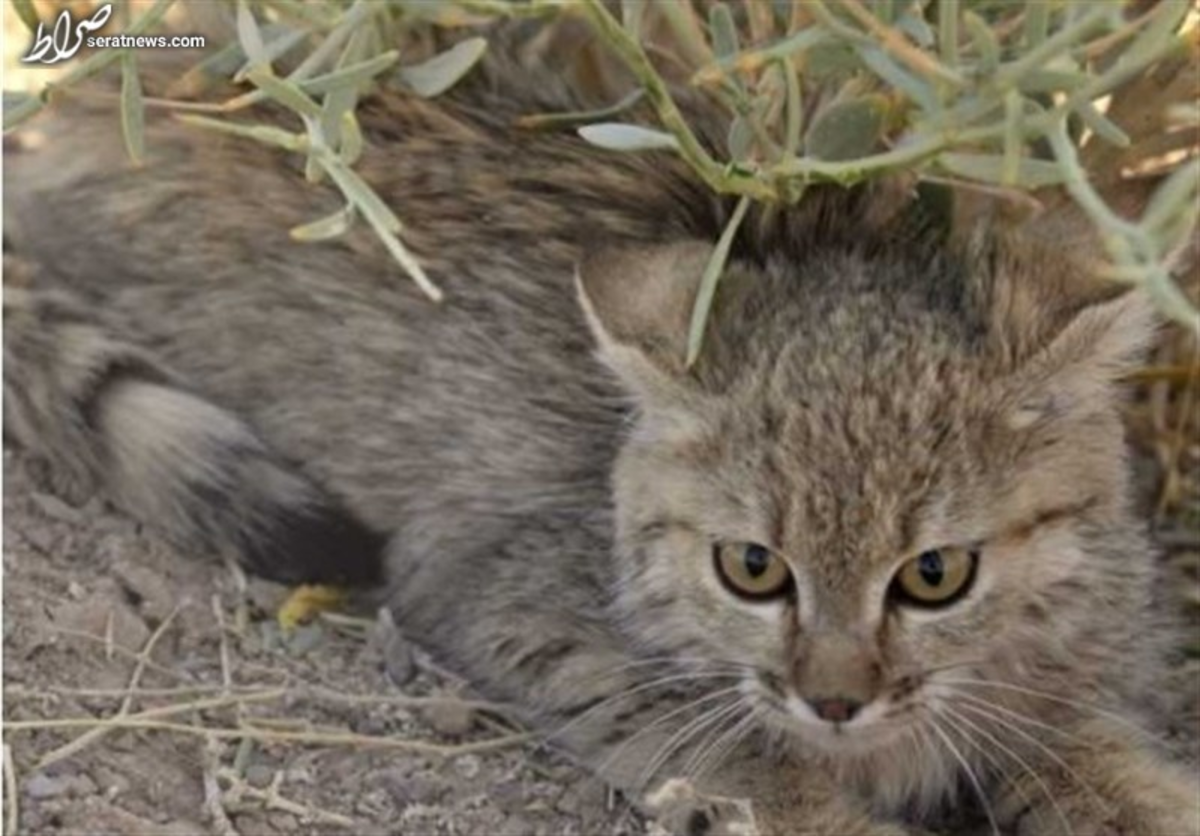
(66, 38)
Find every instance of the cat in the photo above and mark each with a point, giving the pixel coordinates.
(872, 557)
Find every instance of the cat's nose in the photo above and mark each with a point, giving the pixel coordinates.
(836, 709)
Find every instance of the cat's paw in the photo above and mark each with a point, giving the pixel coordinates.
(680, 810)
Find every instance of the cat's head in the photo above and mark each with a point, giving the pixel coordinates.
(892, 470)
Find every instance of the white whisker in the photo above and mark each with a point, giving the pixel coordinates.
(681, 737)
(717, 739)
(1098, 710)
(970, 773)
(963, 697)
(1046, 750)
(951, 714)
(658, 721)
(637, 688)
(736, 737)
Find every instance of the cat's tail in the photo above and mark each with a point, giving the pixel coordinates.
(107, 415)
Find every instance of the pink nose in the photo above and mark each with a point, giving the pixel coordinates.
(836, 709)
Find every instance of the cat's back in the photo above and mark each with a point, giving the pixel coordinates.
(329, 347)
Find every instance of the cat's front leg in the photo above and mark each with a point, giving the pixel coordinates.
(1108, 783)
(760, 797)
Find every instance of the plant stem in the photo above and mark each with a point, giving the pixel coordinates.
(690, 148)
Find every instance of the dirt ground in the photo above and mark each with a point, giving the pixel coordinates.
(344, 748)
(343, 744)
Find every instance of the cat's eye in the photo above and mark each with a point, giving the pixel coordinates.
(935, 578)
(751, 571)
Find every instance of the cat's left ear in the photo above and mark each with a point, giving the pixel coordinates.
(1079, 368)
(638, 302)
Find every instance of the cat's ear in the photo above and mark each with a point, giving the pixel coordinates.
(1063, 335)
(638, 302)
(1078, 369)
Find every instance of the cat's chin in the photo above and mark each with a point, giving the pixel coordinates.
(884, 760)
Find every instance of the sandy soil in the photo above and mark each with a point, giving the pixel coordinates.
(85, 591)
(401, 750)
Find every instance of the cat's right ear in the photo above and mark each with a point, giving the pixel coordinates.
(638, 302)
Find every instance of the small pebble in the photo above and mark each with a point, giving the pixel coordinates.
(259, 775)
(449, 718)
(467, 766)
(82, 785)
(41, 785)
(305, 638)
(284, 822)
(55, 508)
(298, 775)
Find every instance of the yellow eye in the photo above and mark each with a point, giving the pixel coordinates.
(751, 571)
(935, 578)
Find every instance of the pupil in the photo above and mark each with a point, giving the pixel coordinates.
(930, 566)
(756, 560)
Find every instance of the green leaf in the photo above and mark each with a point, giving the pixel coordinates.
(916, 88)
(618, 136)
(351, 147)
(327, 227)
(633, 12)
(985, 41)
(708, 282)
(537, 121)
(1174, 197)
(725, 42)
(133, 109)
(27, 13)
(795, 108)
(1037, 22)
(287, 93)
(350, 76)
(847, 130)
(379, 216)
(442, 71)
(277, 47)
(948, 17)
(829, 60)
(989, 168)
(916, 28)
(724, 30)
(1101, 125)
(740, 138)
(249, 35)
(356, 190)
(347, 27)
(341, 99)
(1052, 81)
(1157, 35)
(266, 134)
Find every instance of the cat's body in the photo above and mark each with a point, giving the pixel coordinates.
(862, 398)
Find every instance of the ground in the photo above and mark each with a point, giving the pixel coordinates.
(344, 748)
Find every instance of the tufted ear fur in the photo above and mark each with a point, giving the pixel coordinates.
(1078, 369)
(638, 302)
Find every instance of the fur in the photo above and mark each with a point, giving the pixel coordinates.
(539, 480)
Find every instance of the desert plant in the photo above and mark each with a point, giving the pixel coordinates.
(1092, 99)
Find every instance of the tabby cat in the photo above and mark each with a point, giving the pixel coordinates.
(871, 558)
